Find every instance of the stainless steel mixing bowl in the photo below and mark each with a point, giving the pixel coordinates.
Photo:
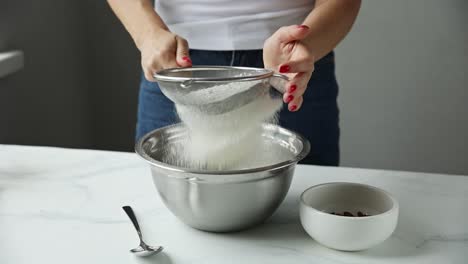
(221, 201)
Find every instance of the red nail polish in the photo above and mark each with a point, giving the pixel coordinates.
(293, 108)
(289, 98)
(187, 59)
(303, 27)
(292, 88)
(284, 69)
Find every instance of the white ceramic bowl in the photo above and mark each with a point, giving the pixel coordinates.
(345, 232)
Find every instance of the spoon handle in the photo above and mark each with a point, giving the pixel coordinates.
(129, 211)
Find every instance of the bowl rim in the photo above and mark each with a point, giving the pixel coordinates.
(395, 204)
(302, 154)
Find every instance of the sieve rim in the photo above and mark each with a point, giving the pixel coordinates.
(257, 74)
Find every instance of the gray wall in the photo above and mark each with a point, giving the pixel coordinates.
(46, 103)
(79, 85)
(404, 87)
(113, 72)
(403, 75)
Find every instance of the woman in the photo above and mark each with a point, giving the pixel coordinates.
(294, 37)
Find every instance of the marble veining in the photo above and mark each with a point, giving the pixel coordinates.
(64, 206)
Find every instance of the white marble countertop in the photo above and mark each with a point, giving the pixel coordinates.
(64, 206)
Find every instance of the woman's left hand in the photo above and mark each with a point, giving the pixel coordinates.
(286, 52)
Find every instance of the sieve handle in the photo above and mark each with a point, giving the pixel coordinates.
(186, 84)
(279, 82)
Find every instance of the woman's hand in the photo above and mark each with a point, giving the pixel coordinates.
(162, 49)
(286, 52)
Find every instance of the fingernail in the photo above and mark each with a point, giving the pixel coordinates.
(284, 69)
(303, 26)
(289, 98)
(187, 59)
(292, 88)
(293, 108)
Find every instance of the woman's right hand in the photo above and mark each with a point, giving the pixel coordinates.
(162, 49)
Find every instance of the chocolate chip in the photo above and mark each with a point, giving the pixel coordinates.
(349, 214)
(361, 214)
(346, 213)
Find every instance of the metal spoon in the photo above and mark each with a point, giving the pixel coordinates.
(143, 249)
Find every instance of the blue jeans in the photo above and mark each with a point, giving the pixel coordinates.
(317, 119)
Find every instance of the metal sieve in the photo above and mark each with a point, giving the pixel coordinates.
(204, 88)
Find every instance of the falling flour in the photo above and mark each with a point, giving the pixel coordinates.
(228, 141)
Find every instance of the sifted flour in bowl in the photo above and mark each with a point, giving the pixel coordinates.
(229, 141)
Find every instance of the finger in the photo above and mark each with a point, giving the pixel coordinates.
(182, 54)
(149, 74)
(168, 60)
(296, 88)
(291, 33)
(304, 63)
(298, 85)
(295, 104)
(299, 65)
(150, 67)
(170, 64)
(290, 89)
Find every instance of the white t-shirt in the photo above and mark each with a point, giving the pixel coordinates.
(230, 24)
